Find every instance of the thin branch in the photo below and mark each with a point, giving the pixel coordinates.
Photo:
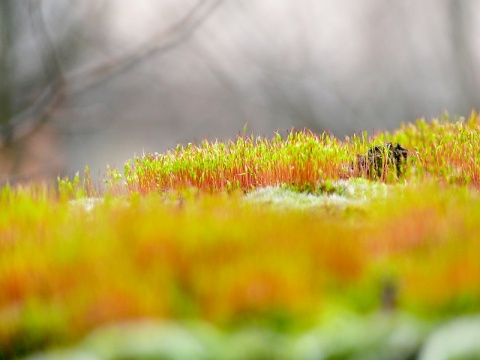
(84, 80)
(166, 40)
(33, 117)
(38, 21)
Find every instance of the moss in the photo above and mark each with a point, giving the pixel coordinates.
(197, 233)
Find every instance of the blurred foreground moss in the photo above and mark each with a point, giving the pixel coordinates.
(233, 261)
(342, 335)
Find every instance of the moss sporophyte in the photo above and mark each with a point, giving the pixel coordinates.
(275, 234)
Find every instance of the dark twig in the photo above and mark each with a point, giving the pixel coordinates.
(97, 74)
(83, 80)
(33, 117)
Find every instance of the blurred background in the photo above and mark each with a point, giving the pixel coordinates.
(98, 81)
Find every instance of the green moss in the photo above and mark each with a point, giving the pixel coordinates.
(267, 232)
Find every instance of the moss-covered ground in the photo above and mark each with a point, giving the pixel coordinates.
(260, 248)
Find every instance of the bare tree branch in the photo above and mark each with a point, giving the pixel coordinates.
(97, 74)
(33, 117)
(85, 79)
(38, 21)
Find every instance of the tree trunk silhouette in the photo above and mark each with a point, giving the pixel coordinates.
(6, 64)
